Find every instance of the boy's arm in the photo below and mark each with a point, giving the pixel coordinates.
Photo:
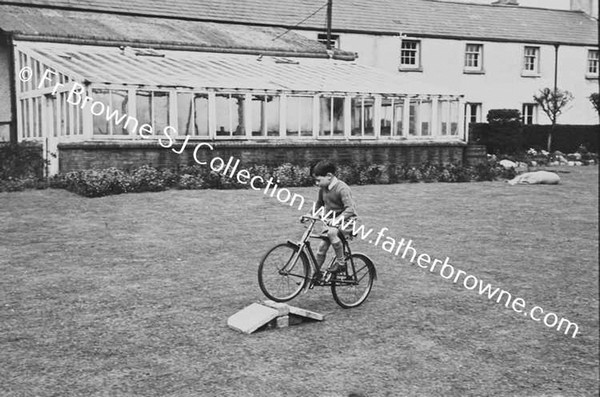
(348, 202)
(320, 203)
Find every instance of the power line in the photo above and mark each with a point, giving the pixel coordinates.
(299, 23)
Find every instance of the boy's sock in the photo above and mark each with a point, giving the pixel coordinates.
(320, 259)
(339, 250)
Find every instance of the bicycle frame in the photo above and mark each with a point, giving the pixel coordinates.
(304, 246)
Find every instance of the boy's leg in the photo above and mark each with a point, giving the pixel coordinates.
(336, 242)
(322, 252)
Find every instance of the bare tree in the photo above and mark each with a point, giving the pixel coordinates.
(595, 100)
(553, 102)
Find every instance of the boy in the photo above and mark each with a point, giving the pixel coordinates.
(334, 195)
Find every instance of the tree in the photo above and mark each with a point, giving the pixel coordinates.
(552, 102)
(595, 100)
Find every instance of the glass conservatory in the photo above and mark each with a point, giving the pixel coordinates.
(216, 96)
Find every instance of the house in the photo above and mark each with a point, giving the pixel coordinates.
(497, 55)
(105, 86)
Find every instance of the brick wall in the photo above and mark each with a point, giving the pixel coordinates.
(77, 156)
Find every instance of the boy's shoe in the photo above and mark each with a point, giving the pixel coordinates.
(336, 266)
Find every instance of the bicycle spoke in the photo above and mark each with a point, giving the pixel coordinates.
(351, 293)
(275, 277)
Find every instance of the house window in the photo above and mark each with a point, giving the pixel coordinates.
(229, 115)
(299, 115)
(362, 117)
(332, 116)
(334, 40)
(529, 113)
(410, 56)
(592, 66)
(392, 110)
(192, 114)
(152, 108)
(473, 112)
(474, 57)
(531, 60)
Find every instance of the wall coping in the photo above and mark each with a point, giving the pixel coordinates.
(103, 145)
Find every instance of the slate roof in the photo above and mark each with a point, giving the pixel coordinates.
(425, 18)
(45, 24)
(206, 70)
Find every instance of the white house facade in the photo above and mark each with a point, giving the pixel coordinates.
(490, 74)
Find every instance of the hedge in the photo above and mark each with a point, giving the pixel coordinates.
(566, 138)
(97, 183)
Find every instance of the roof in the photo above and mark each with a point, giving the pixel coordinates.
(112, 29)
(426, 18)
(205, 70)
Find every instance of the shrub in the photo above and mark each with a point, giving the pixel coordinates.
(143, 179)
(97, 183)
(188, 181)
(285, 175)
(369, 175)
(349, 174)
(21, 160)
(20, 184)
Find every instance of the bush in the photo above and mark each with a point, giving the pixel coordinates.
(144, 179)
(21, 160)
(369, 175)
(349, 174)
(97, 183)
(565, 138)
(19, 184)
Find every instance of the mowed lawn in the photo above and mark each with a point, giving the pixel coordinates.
(129, 295)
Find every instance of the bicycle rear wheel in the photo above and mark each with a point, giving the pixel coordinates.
(351, 289)
(280, 279)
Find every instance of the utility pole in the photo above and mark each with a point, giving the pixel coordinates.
(329, 6)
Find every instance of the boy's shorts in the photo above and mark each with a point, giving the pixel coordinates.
(347, 231)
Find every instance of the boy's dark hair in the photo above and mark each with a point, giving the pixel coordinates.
(323, 167)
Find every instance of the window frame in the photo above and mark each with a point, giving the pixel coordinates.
(344, 117)
(535, 72)
(298, 110)
(335, 40)
(181, 134)
(264, 115)
(395, 102)
(468, 115)
(589, 74)
(362, 107)
(468, 69)
(111, 124)
(525, 115)
(407, 67)
(243, 123)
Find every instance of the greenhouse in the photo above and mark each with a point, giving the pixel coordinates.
(216, 96)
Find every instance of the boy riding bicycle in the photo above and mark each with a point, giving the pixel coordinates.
(335, 196)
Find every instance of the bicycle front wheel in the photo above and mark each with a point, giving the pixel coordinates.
(282, 273)
(351, 289)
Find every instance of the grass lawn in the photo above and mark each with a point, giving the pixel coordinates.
(129, 295)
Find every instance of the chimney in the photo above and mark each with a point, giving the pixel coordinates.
(588, 6)
(506, 3)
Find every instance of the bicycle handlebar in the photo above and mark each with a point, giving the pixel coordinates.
(303, 218)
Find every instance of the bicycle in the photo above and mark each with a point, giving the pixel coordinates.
(288, 268)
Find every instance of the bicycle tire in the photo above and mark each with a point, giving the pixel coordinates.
(352, 292)
(294, 281)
